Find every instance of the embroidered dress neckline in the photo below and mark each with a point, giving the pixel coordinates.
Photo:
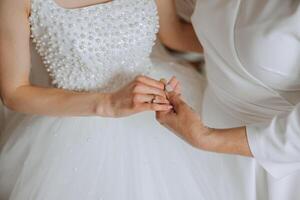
(92, 6)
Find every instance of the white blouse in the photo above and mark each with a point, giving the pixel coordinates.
(252, 51)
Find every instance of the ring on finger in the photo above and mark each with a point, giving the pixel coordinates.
(153, 99)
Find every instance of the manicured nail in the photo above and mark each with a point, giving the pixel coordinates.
(169, 88)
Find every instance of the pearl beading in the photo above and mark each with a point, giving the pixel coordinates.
(95, 48)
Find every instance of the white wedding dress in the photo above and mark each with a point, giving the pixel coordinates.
(99, 48)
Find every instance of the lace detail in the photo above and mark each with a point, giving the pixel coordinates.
(100, 47)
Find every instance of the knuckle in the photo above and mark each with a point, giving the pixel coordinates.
(139, 78)
(135, 98)
(137, 87)
(136, 84)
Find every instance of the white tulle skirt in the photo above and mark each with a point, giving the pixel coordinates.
(93, 158)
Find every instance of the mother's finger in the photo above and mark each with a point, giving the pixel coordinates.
(174, 84)
(177, 88)
(150, 82)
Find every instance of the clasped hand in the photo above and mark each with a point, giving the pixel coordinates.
(163, 97)
(142, 94)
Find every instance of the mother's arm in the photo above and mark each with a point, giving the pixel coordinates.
(187, 124)
(275, 145)
(175, 33)
(18, 94)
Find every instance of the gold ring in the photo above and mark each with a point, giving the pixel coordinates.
(153, 99)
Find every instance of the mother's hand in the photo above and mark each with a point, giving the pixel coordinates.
(142, 94)
(185, 123)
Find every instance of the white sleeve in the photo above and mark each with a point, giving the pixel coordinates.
(1, 117)
(276, 145)
(185, 8)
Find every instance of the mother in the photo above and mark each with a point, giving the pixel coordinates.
(251, 104)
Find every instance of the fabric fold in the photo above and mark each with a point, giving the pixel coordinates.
(275, 144)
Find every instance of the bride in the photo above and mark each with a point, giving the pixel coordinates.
(77, 137)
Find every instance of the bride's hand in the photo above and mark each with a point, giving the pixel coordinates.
(142, 94)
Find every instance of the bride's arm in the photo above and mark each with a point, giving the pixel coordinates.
(175, 33)
(18, 94)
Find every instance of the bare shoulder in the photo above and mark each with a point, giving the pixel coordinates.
(14, 18)
(13, 7)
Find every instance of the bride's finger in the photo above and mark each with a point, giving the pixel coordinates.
(146, 98)
(161, 100)
(150, 82)
(145, 89)
(156, 107)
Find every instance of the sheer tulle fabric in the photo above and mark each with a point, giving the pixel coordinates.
(97, 158)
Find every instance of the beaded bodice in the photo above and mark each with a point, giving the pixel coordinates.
(98, 47)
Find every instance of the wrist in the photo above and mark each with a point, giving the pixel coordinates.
(230, 141)
(103, 105)
(196, 134)
(202, 134)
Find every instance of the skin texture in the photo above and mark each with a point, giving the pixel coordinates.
(174, 33)
(18, 94)
(186, 124)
